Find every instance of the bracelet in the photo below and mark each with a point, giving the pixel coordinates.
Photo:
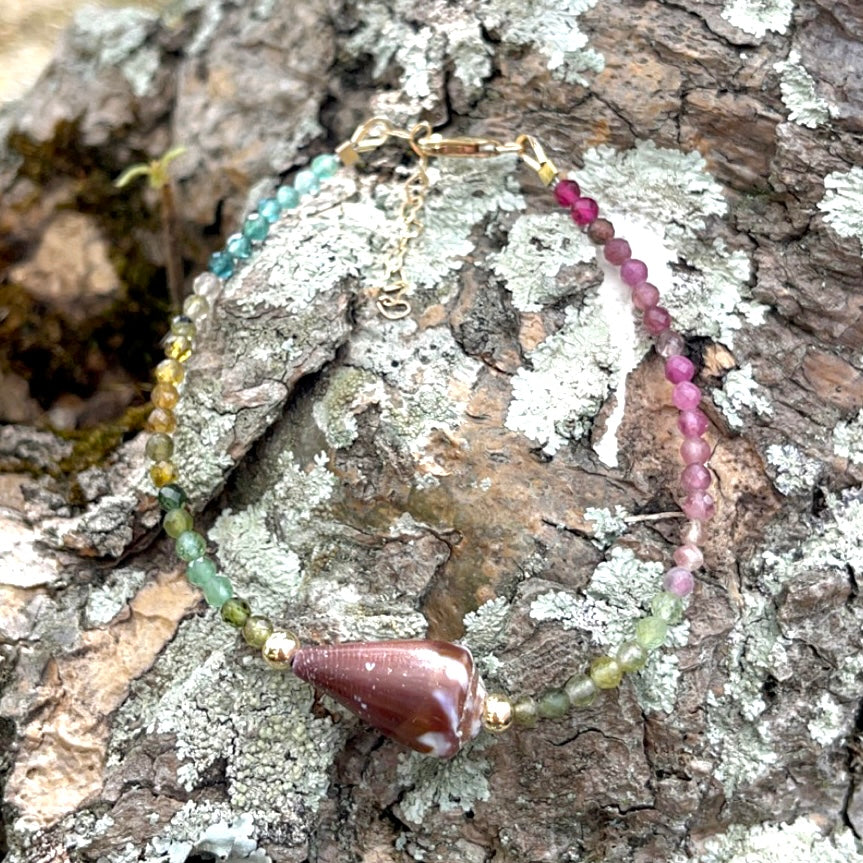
(428, 695)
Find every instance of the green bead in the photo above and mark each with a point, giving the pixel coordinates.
(256, 630)
(667, 606)
(217, 591)
(325, 165)
(177, 521)
(580, 690)
(201, 571)
(190, 545)
(605, 672)
(236, 611)
(524, 711)
(307, 183)
(256, 228)
(553, 704)
(650, 632)
(160, 447)
(171, 496)
(631, 656)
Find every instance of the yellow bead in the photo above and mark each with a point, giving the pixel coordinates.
(279, 649)
(170, 372)
(162, 421)
(165, 396)
(497, 712)
(162, 473)
(256, 630)
(606, 672)
(178, 348)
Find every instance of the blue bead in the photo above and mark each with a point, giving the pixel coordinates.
(325, 165)
(256, 228)
(270, 209)
(239, 246)
(307, 183)
(288, 197)
(222, 264)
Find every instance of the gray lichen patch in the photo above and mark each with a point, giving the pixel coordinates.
(792, 472)
(608, 524)
(741, 393)
(348, 392)
(107, 601)
(799, 93)
(848, 439)
(758, 16)
(842, 204)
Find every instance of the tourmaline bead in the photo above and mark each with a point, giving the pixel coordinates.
(678, 581)
(171, 496)
(689, 556)
(165, 396)
(426, 695)
(567, 192)
(197, 308)
(235, 612)
(699, 505)
(256, 228)
(600, 231)
(206, 285)
(177, 348)
(553, 704)
(256, 630)
(645, 296)
(695, 450)
(201, 571)
(270, 209)
(177, 521)
(524, 711)
(631, 656)
(162, 473)
(239, 246)
(496, 712)
(580, 690)
(605, 672)
(679, 369)
(656, 320)
(633, 272)
(190, 545)
(650, 632)
(162, 421)
(307, 183)
(695, 477)
(183, 325)
(160, 447)
(669, 343)
(693, 533)
(169, 371)
(222, 264)
(686, 396)
(667, 606)
(584, 211)
(692, 423)
(288, 197)
(617, 251)
(325, 165)
(217, 591)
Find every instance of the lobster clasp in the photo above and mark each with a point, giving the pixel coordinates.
(463, 147)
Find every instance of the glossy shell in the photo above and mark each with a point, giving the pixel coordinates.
(426, 695)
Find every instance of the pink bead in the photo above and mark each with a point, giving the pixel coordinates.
(699, 505)
(693, 533)
(678, 369)
(566, 192)
(695, 450)
(678, 581)
(669, 343)
(656, 320)
(692, 423)
(695, 477)
(633, 272)
(584, 211)
(617, 251)
(686, 396)
(645, 296)
(689, 557)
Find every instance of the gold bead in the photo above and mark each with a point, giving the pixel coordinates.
(163, 472)
(170, 372)
(279, 649)
(178, 347)
(162, 421)
(165, 396)
(496, 712)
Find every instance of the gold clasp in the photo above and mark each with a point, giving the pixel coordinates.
(482, 148)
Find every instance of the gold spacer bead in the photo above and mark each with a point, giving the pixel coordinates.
(279, 649)
(496, 712)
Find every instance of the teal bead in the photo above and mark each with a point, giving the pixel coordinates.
(650, 632)
(201, 571)
(222, 264)
(171, 496)
(190, 545)
(288, 197)
(270, 209)
(325, 165)
(307, 182)
(667, 606)
(256, 228)
(217, 591)
(239, 246)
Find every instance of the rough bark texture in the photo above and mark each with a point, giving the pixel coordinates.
(464, 473)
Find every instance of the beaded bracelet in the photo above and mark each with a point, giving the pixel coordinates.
(428, 695)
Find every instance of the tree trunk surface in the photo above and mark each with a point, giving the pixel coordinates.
(500, 467)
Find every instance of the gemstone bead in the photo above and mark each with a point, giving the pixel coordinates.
(678, 581)
(605, 672)
(162, 473)
(496, 713)
(325, 165)
(656, 320)
(222, 264)
(206, 285)
(183, 325)
(580, 690)
(669, 343)
(177, 348)
(306, 182)
(197, 307)
(584, 211)
(695, 450)
(645, 296)
(160, 447)
(692, 533)
(692, 423)
(617, 251)
(170, 372)
(650, 632)
(600, 231)
(256, 228)
(177, 521)
(553, 704)
(270, 209)
(171, 497)
(165, 396)
(678, 369)
(256, 630)
(217, 591)
(633, 272)
(426, 695)
(235, 612)
(288, 197)
(524, 711)
(567, 192)
(201, 571)
(686, 396)
(631, 656)
(695, 477)
(190, 545)
(667, 606)
(689, 556)
(239, 246)
(162, 421)
(699, 505)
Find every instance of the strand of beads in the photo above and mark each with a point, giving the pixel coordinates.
(606, 672)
